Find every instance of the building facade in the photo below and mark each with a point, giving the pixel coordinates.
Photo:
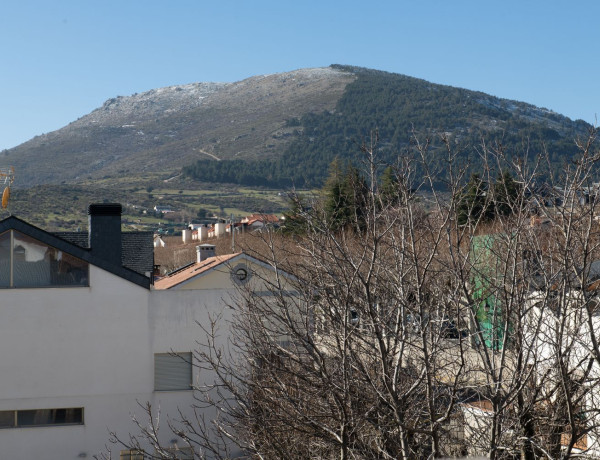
(86, 339)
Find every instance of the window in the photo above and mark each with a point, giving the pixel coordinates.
(172, 371)
(8, 419)
(41, 417)
(26, 262)
(240, 274)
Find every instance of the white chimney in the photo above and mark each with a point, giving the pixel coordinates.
(203, 233)
(204, 251)
(220, 229)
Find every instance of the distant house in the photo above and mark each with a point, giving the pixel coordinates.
(163, 209)
(238, 227)
(217, 230)
(256, 221)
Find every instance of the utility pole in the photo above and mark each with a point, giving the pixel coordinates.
(232, 234)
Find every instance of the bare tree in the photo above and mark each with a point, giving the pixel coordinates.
(408, 331)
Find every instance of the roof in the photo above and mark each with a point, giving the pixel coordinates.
(137, 251)
(193, 270)
(265, 218)
(61, 242)
(483, 405)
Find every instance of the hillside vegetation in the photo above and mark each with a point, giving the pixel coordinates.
(159, 131)
(399, 107)
(200, 142)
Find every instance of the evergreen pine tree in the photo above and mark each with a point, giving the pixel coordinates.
(344, 197)
(473, 204)
(506, 191)
(388, 192)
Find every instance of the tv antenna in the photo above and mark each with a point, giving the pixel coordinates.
(7, 175)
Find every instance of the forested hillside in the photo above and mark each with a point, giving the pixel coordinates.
(282, 130)
(398, 107)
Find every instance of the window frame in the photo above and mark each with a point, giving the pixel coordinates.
(16, 424)
(182, 362)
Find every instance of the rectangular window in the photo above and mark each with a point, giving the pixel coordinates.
(41, 417)
(26, 262)
(172, 372)
(8, 419)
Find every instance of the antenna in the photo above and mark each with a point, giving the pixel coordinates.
(7, 175)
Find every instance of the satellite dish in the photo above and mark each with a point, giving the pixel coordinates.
(8, 176)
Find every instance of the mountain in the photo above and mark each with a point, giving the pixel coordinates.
(161, 130)
(280, 130)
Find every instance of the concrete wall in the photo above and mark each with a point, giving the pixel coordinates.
(92, 347)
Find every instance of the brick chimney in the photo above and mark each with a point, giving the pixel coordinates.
(104, 223)
(204, 251)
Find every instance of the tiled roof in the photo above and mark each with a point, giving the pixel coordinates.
(80, 239)
(483, 405)
(137, 250)
(193, 270)
(265, 218)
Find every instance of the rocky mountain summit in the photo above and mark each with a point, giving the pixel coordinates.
(277, 129)
(163, 129)
(154, 103)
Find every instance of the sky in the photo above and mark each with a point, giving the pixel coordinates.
(60, 60)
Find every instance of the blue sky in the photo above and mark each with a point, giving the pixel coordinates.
(60, 60)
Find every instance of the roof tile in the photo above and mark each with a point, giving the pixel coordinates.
(192, 270)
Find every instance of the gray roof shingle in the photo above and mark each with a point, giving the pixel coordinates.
(137, 250)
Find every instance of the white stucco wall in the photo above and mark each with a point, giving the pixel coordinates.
(92, 347)
(547, 331)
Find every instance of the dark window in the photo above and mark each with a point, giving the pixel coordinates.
(26, 262)
(41, 417)
(7, 419)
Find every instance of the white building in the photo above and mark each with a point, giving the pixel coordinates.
(163, 209)
(558, 326)
(84, 338)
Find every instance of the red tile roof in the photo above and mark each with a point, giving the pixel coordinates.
(193, 270)
(265, 218)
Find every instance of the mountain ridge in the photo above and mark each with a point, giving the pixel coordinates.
(281, 129)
